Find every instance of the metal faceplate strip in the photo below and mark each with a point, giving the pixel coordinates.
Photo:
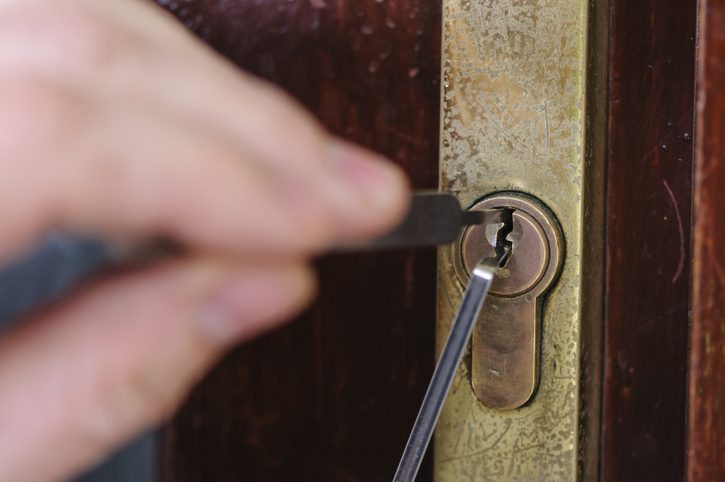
(513, 119)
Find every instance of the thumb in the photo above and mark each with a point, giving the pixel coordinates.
(85, 377)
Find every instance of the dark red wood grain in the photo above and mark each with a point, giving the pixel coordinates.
(706, 435)
(331, 397)
(651, 96)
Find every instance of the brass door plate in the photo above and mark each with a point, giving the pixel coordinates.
(522, 109)
(505, 347)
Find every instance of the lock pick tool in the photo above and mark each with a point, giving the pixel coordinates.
(63, 261)
(479, 284)
(434, 218)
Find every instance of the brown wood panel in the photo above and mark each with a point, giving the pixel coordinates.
(651, 95)
(331, 397)
(706, 437)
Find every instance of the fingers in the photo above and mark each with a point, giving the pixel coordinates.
(82, 379)
(269, 125)
(273, 129)
(190, 182)
(125, 170)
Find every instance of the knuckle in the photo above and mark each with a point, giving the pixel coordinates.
(282, 113)
(124, 406)
(95, 45)
(68, 36)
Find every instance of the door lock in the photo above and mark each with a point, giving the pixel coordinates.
(506, 340)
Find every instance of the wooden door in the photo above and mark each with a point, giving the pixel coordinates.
(663, 403)
(650, 158)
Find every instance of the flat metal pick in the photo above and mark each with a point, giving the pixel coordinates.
(434, 218)
(445, 370)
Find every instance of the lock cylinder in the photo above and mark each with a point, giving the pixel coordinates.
(506, 340)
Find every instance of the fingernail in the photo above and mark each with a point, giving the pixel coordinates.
(254, 301)
(379, 181)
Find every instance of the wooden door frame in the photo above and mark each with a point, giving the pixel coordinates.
(650, 160)
(706, 422)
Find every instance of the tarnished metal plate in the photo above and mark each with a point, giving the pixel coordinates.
(513, 119)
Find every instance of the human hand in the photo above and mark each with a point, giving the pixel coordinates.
(114, 121)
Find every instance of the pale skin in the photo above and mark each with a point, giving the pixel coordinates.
(115, 121)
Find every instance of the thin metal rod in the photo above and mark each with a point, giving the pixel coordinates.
(445, 370)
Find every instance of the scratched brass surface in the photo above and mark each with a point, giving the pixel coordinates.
(514, 117)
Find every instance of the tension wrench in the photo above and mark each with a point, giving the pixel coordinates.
(63, 261)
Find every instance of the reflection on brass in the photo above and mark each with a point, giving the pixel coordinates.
(505, 350)
(515, 110)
